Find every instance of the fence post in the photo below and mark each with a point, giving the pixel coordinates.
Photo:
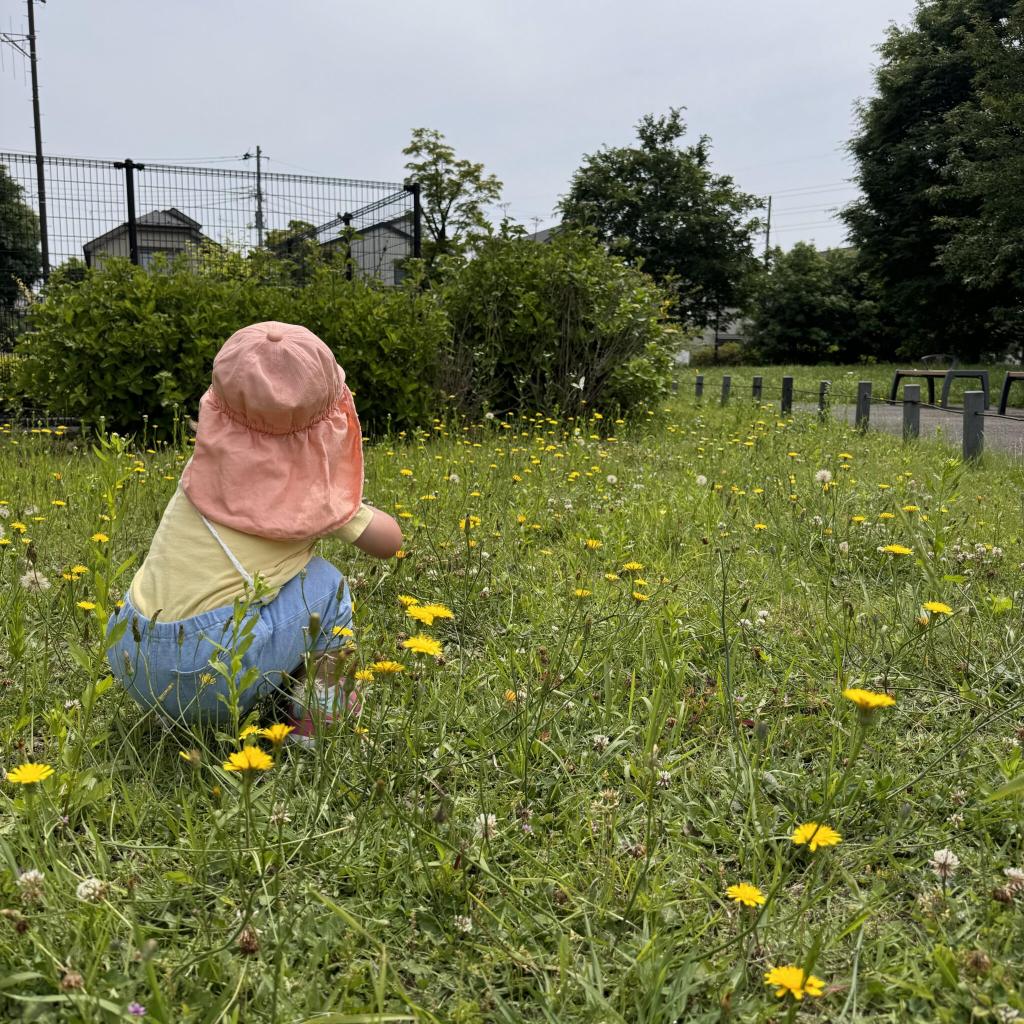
(823, 389)
(974, 424)
(698, 386)
(417, 217)
(130, 167)
(726, 384)
(787, 395)
(756, 387)
(911, 412)
(863, 416)
(346, 219)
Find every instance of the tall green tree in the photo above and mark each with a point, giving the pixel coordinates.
(454, 193)
(914, 139)
(814, 307)
(986, 174)
(660, 205)
(21, 263)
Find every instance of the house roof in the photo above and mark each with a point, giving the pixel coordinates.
(335, 227)
(171, 218)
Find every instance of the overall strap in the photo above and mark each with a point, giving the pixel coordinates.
(227, 551)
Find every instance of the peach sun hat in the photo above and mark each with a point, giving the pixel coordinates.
(278, 449)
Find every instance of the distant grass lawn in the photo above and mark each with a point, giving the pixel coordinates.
(605, 801)
(844, 380)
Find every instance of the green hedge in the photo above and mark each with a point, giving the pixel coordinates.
(124, 342)
(551, 325)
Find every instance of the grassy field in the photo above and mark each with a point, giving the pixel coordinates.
(639, 706)
(843, 380)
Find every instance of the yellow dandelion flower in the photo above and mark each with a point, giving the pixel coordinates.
(249, 730)
(868, 700)
(639, 595)
(594, 545)
(581, 592)
(439, 611)
(364, 675)
(405, 600)
(886, 515)
(386, 667)
(911, 508)
(937, 607)
(248, 759)
(611, 576)
(99, 538)
(342, 631)
(793, 980)
(405, 472)
(78, 570)
(423, 645)
(27, 774)
(277, 733)
(897, 549)
(748, 895)
(510, 696)
(814, 835)
(57, 503)
(760, 526)
(633, 566)
(86, 606)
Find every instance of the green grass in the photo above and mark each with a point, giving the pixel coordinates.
(638, 755)
(844, 380)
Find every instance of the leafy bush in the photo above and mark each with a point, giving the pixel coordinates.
(548, 325)
(730, 353)
(123, 342)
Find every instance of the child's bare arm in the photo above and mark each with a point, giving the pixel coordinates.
(382, 537)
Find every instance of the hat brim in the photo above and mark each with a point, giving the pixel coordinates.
(294, 486)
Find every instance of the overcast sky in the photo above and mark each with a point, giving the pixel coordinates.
(335, 87)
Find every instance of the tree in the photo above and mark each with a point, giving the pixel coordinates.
(21, 264)
(986, 172)
(453, 193)
(297, 249)
(662, 207)
(917, 141)
(814, 307)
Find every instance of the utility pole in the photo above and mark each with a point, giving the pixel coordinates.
(40, 176)
(259, 195)
(768, 231)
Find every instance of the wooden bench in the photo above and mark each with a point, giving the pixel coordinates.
(1004, 396)
(947, 377)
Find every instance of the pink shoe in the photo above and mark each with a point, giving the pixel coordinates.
(330, 710)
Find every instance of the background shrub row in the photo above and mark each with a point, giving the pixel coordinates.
(521, 325)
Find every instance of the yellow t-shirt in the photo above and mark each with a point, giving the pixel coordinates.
(187, 572)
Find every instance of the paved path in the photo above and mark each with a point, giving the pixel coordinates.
(1002, 433)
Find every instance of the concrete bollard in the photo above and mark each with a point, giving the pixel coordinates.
(974, 424)
(911, 412)
(787, 395)
(823, 390)
(726, 385)
(863, 416)
(698, 386)
(756, 388)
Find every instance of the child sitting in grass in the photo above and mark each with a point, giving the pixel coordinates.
(277, 465)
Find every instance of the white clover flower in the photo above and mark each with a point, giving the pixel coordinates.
(488, 415)
(600, 742)
(463, 923)
(5, 512)
(486, 826)
(91, 890)
(818, 521)
(944, 863)
(763, 614)
(664, 779)
(30, 885)
(745, 624)
(844, 547)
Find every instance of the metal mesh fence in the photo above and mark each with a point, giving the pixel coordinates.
(97, 209)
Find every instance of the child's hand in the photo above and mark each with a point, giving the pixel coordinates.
(382, 537)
